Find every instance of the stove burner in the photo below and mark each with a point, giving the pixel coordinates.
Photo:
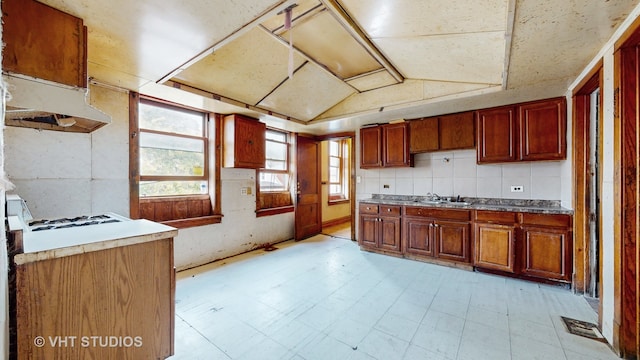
(43, 228)
(64, 223)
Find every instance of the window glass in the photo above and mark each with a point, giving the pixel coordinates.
(275, 175)
(172, 151)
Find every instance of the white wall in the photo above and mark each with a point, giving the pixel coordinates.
(64, 174)
(452, 173)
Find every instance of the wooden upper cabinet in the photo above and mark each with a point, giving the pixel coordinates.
(424, 135)
(447, 132)
(395, 145)
(497, 134)
(44, 43)
(371, 147)
(530, 131)
(244, 142)
(543, 130)
(457, 131)
(385, 146)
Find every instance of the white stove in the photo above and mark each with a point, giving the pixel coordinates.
(72, 222)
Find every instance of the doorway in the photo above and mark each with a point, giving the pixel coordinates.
(338, 191)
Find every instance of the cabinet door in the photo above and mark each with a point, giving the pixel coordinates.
(368, 231)
(496, 135)
(543, 130)
(389, 233)
(546, 252)
(418, 237)
(44, 43)
(395, 143)
(494, 247)
(371, 147)
(457, 131)
(244, 142)
(423, 135)
(452, 240)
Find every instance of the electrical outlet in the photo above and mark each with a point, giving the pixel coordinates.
(243, 191)
(517, 188)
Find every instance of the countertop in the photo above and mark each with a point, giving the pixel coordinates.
(516, 205)
(43, 245)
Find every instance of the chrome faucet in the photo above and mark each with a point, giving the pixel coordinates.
(433, 196)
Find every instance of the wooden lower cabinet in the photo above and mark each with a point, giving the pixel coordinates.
(380, 227)
(452, 240)
(418, 237)
(546, 252)
(437, 233)
(495, 247)
(524, 244)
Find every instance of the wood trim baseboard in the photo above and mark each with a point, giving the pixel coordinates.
(337, 221)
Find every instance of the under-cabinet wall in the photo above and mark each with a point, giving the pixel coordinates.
(448, 173)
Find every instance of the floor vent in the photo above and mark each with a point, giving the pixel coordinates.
(583, 328)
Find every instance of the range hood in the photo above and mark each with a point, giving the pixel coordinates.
(46, 105)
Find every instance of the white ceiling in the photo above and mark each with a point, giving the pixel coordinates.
(354, 61)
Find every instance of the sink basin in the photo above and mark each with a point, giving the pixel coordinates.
(461, 203)
(433, 202)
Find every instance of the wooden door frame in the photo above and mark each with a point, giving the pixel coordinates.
(352, 172)
(581, 181)
(626, 195)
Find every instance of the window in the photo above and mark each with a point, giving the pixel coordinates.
(338, 170)
(173, 156)
(274, 179)
(275, 175)
(173, 177)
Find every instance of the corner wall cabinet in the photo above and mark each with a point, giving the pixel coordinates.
(385, 146)
(43, 42)
(529, 131)
(244, 142)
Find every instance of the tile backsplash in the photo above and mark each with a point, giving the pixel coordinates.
(456, 173)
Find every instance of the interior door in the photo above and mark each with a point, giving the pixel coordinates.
(308, 208)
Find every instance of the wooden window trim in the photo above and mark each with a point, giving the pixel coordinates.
(275, 211)
(336, 199)
(213, 145)
(268, 211)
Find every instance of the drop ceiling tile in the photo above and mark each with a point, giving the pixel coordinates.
(436, 89)
(372, 81)
(246, 69)
(406, 92)
(578, 30)
(311, 92)
(323, 39)
(407, 18)
(470, 58)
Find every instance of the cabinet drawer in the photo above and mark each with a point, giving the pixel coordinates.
(368, 209)
(439, 213)
(560, 220)
(390, 210)
(501, 217)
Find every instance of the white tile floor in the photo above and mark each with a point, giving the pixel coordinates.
(323, 298)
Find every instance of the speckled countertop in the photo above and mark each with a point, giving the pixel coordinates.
(518, 205)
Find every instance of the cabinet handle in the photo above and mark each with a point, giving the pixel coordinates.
(389, 210)
(368, 208)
